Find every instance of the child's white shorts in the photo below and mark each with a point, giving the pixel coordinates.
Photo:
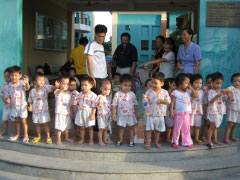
(19, 113)
(62, 122)
(83, 118)
(155, 123)
(196, 120)
(6, 116)
(216, 118)
(126, 120)
(41, 117)
(169, 121)
(104, 121)
(233, 116)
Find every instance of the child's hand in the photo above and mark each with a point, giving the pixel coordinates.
(57, 84)
(25, 79)
(144, 97)
(92, 117)
(8, 100)
(30, 108)
(75, 102)
(114, 117)
(171, 115)
(219, 95)
(205, 88)
(160, 101)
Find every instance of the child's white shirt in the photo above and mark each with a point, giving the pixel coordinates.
(103, 105)
(63, 102)
(4, 93)
(197, 103)
(182, 102)
(219, 106)
(86, 101)
(234, 104)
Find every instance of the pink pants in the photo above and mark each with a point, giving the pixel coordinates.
(182, 123)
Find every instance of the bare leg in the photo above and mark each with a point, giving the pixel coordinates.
(227, 131)
(66, 133)
(157, 135)
(234, 129)
(47, 130)
(100, 134)
(121, 132)
(38, 130)
(210, 132)
(197, 133)
(5, 127)
(131, 133)
(90, 131)
(18, 128)
(169, 131)
(25, 127)
(82, 134)
(59, 141)
(105, 136)
(205, 130)
(215, 137)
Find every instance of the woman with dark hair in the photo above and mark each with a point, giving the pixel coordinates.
(158, 54)
(189, 54)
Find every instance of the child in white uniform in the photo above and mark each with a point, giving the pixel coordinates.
(86, 101)
(62, 110)
(104, 119)
(40, 69)
(72, 74)
(125, 103)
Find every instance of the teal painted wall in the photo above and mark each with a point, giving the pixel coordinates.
(172, 20)
(220, 47)
(10, 36)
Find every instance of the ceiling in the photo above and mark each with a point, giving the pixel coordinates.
(128, 5)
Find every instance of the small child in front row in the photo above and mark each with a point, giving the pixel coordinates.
(197, 106)
(6, 106)
(40, 69)
(216, 107)
(38, 104)
(180, 110)
(17, 97)
(233, 113)
(86, 101)
(157, 100)
(103, 104)
(72, 74)
(116, 83)
(62, 110)
(170, 86)
(125, 106)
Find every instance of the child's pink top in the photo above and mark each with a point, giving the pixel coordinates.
(197, 103)
(104, 106)
(63, 102)
(17, 92)
(4, 93)
(125, 102)
(234, 104)
(183, 101)
(152, 98)
(86, 101)
(219, 106)
(39, 99)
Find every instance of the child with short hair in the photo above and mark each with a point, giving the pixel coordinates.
(147, 86)
(38, 104)
(158, 99)
(17, 97)
(233, 113)
(86, 101)
(197, 106)
(116, 83)
(72, 74)
(180, 110)
(62, 110)
(103, 103)
(41, 70)
(170, 86)
(125, 106)
(216, 107)
(6, 105)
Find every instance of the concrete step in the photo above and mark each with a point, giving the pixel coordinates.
(72, 169)
(116, 154)
(4, 175)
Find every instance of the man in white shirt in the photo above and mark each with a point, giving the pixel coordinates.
(96, 61)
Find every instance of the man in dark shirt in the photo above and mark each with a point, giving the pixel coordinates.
(125, 56)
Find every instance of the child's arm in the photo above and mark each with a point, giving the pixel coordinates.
(173, 99)
(92, 117)
(214, 99)
(194, 92)
(114, 113)
(26, 81)
(30, 107)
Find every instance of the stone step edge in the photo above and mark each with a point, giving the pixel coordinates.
(15, 176)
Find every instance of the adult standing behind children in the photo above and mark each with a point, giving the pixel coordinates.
(96, 61)
(79, 58)
(126, 55)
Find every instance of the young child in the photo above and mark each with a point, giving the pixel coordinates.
(216, 107)
(116, 83)
(125, 106)
(180, 110)
(6, 105)
(104, 111)
(72, 74)
(41, 70)
(206, 88)
(17, 97)
(233, 113)
(158, 99)
(86, 101)
(62, 110)
(147, 86)
(170, 86)
(74, 109)
(38, 104)
(197, 106)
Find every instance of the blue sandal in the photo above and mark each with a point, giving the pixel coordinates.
(119, 143)
(131, 144)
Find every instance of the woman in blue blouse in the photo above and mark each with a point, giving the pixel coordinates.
(189, 54)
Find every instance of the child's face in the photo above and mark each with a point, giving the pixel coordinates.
(116, 80)
(105, 89)
(236, 82)
(172, 86)
(7, 77)
(86, 86)
(209, 83)
(72, 73)
(72, 86)
(149, 85)
(40, 70)
(185, 84)
(197, 84)
(15, 77)
(126, 86)
(167, 47)
(217, 84)
(157, 84)
(40, 81)
(64, 83)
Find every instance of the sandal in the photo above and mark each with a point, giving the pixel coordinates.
(210, 146)
(119, 143)
(131, 144)
(147, 147)
(199, 142)
(13, 138)
(228, 142)
(49, 141)
(175, 146)
(25, 140)
(159, 146)
(36, 140)
(190, 146)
